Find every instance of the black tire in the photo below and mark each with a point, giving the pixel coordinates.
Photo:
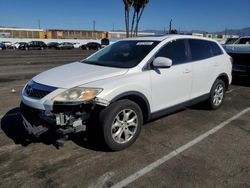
(109, 115)
(216, 98)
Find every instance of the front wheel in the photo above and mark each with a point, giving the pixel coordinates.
(217, 95)
(121, 124)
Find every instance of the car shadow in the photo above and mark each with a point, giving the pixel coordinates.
(241, 81)
(12, 125)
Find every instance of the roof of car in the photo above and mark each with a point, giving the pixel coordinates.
(245, 37)
(164, 37)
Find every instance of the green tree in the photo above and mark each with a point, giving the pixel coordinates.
(173, 31)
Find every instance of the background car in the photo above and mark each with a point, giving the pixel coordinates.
(16, 45)
(76, 44)
(22, 45)
(231, 40)
(91, 46)
(7, 43)
(33, 45)
(240, 52)
(2, 46)
(243, 40)
(65, 45)
(53, 45)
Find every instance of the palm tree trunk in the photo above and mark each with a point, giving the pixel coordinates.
(138, 20)
(136, 26)
(132, 26)
(127, 22)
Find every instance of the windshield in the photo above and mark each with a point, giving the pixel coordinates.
(243, 41)
(231, 40)
(122, 54)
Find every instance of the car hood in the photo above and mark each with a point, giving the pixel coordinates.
(75, 74)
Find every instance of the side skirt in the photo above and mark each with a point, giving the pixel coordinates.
(178, 107)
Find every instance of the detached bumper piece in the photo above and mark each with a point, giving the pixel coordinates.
(38, 122)
(35, 130)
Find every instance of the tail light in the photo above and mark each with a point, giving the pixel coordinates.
(231, 59)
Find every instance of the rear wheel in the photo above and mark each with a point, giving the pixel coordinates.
(121, 124)
(217, 94)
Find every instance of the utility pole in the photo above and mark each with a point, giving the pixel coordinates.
(113, 27)
(170, 26)
(39, 26)
(94, 25)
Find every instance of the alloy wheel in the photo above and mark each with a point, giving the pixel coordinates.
(218, 95)
(124, 126)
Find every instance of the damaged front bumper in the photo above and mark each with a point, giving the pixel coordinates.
(64, 118)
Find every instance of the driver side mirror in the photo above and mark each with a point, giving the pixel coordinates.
(162, 62)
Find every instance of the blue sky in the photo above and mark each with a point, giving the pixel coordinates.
(212, 15)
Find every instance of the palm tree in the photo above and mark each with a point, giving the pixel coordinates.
(139, 10)
(136, 6)
(139, 6)
(127, 6)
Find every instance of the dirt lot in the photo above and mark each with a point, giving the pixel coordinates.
(221, 159)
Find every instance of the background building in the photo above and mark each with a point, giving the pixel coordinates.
(122, 34)
(75, 34)
(21, 33)
(51, 34)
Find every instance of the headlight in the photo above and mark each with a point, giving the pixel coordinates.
(77, 94)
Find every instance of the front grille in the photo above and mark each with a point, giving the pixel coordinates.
(37, 91)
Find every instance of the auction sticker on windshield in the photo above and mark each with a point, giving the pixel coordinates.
(144, 43)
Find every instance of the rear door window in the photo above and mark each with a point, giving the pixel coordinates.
(200, 49)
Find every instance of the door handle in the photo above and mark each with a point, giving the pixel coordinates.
(187, 71)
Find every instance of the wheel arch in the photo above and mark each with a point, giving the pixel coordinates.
(224, 77)
(139, 99)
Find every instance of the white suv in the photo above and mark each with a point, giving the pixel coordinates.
(126, 84)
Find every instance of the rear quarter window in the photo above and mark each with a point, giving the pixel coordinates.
(216, 50)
